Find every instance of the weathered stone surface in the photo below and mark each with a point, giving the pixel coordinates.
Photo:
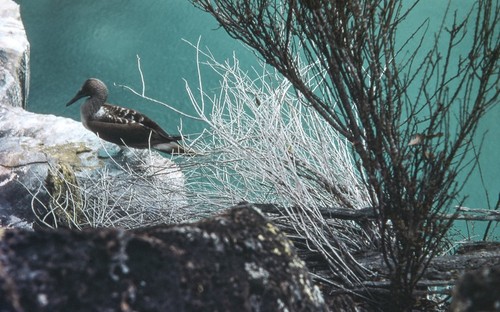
(478, 290)
(14, 56)
(236, 261)
(33, 144)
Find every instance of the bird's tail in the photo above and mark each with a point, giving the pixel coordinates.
(175, 148)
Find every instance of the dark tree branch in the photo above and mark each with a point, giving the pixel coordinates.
(379, 96)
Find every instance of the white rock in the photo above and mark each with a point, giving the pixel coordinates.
(133, 188)
(14, 56)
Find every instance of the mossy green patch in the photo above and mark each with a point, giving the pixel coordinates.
(68, 153)
(66, 203)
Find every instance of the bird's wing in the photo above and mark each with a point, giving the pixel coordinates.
(121, 115)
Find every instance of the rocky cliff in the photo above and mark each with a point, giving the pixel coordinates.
(14, 56)
(40, 156)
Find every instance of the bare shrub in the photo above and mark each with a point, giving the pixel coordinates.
(137, 189)
(410, 115)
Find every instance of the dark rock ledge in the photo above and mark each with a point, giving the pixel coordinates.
(236, 261)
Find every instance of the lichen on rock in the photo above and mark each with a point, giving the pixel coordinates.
(65, 208)
(163, 268)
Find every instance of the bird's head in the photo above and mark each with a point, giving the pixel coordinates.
(91, 88)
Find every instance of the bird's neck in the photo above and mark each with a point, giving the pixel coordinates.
(91, 107)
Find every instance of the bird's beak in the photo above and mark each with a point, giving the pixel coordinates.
(78, 96)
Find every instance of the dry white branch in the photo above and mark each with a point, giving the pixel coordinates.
(140, 188)
(263, 144)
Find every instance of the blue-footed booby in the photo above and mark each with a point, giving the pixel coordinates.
(120, 125)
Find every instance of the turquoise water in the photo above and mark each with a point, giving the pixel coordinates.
(74, 40)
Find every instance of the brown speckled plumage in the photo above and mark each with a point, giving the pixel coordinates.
(120, 125)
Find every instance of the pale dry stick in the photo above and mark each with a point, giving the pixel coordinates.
(148, 177)
(125, 207)
(143, 95)
(261, 136)
(142, 75)
(259, 132)
(317, 227)
(239, 124)
(50, 209)
(35, 199)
